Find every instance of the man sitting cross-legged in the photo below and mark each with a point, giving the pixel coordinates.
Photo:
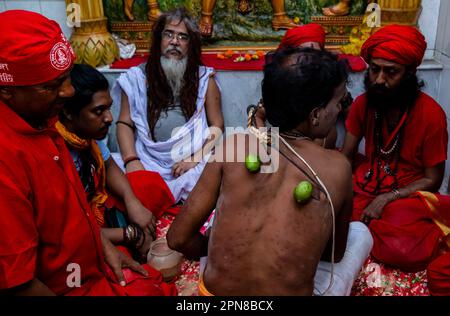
(84, 121)
(406, 138)
(263, 242)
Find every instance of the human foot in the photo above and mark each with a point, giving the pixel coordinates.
(282, 21)
(339, 9)
(206, 25)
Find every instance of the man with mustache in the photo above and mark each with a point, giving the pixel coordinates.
(84, 122)
(50, 243)
(405, 134)
(168, 107)
(262, 241)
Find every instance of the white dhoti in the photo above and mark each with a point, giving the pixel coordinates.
(359, 245)
(185, 141)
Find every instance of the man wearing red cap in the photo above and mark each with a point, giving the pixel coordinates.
(49, 240)
(405, 134)
(308, 35)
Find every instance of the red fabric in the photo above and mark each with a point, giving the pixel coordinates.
(398, 43)
(46, 223)
(34, 49)
(134, 61)
(139, 285)
(424, 144)
(405, 237)
(153, 192)
(303, 34)
(209, 59)
(438, 273)
(357, 64)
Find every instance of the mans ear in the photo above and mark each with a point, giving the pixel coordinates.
(314, 116)
(67, 114)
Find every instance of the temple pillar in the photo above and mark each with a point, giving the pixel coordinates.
(92, 42)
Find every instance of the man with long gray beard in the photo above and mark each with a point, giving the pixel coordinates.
(172, 98)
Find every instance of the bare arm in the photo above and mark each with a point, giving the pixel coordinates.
(114, 235)
(216, 123)
(125, 136)
(31, 288)
(350, 148)
(184, 235)
(118, 185)
(117, 182)
(342, 219)
(431, 181)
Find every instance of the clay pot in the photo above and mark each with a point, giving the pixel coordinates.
(164, 259)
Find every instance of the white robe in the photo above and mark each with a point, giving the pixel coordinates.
(161, 156)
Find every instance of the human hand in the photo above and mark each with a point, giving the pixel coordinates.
(142, 216)
(182, 167)
(134, 165)
(375, 209)
(117, 260)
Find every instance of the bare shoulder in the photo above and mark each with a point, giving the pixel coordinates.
(337, 164)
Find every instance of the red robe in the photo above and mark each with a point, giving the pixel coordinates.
(405, 236)
(438, 271)
(46, 224)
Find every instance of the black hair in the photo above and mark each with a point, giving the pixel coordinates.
(403, 96)
(159, 93)
(297, 80)
(86, 80)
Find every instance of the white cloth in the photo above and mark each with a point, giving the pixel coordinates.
(161, 156)
(359, 245)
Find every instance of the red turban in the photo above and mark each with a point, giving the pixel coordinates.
(303, 34)
(404, 45)
(33, 49)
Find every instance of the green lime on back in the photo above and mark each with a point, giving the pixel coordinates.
(252, 163)
(303, 192)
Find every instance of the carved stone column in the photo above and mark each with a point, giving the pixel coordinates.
(400, 11)
(92, 42)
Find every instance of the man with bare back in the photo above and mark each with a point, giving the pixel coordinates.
(264, 242)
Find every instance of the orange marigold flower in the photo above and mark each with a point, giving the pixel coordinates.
(229, 53)
(260, 53)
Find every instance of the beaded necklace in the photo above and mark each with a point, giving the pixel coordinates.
(387, 155)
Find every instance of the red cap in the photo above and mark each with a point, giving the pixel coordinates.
(398, 43)
(33, 49)
(303, 34)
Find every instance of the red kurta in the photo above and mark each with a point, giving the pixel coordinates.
(45, 221)
(423, 145)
